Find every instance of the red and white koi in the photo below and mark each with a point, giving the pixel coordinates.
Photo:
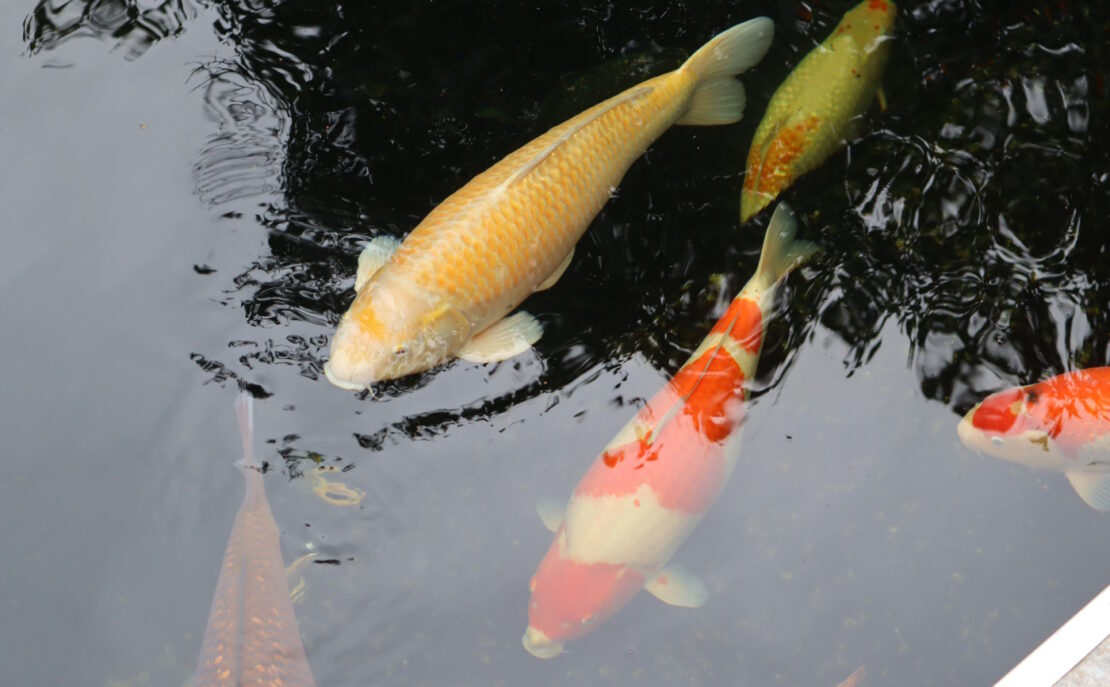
(656, 479)
(1062, 424)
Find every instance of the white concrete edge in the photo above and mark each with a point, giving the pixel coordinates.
(1065, 648)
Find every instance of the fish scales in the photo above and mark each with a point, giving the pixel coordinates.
(820, 104)
(252, 636)
(449, 287)
(651, 486)
(1061, 423)
(548, 208)
(684, 453)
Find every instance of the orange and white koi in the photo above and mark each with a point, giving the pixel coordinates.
(446, 290)
(659, 475)
(820, 104)
(1062, 424)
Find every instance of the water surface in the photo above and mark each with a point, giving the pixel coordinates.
(187, 187)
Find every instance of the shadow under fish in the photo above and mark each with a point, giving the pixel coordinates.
(252, 633)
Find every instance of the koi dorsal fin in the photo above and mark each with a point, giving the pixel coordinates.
(591, 117)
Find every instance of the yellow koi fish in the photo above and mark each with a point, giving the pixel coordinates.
(446, 290)
(819, 105)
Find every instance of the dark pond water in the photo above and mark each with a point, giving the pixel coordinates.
(186, 189)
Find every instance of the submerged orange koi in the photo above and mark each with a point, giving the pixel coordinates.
(657, 478)
(446, 290)
(252, 636)
(1062, 424)
(820, 104)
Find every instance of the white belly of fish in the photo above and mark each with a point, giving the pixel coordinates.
(615, 530)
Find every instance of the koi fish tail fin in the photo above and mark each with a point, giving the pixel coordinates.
(718, 98)
(781, 251)
(244, 413)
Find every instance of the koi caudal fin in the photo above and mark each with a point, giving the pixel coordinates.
(719, 98)
(781, 251)
(244, 413)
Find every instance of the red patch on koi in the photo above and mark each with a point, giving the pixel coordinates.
(996, 414)
(880, 5)
(567, 591)
(1072, 408)
(684, 463)
(743, 321)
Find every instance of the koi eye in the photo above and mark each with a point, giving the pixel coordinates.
(589, 620)
(997, 441)
(400, 350)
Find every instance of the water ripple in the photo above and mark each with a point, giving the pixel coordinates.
(134, 28)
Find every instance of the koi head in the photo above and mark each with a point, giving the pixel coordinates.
(389, 333)
(571, 599)
(1017, 425)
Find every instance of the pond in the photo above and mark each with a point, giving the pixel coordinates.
(188, 185)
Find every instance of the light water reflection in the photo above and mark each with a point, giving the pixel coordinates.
(962, 253)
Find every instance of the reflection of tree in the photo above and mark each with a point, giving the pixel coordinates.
(971, 216)
(243, 159)
(132, 28)
(974, 217)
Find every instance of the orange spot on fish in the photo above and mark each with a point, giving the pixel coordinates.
(368, 321)
(752, 173)
(1072, 408)
(743, 322)
(567, 591)
(636, 502)
(879, 5)
(788, 145)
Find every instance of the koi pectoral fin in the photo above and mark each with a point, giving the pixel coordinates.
(551, 512)
(557, 274)
(373, 257)
(503, 340)
(677, 586)
(881, 94)
(1092, 487)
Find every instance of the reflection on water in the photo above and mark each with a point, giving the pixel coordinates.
(244, 157)
(968, 222)
(132, 26)
(935, 208)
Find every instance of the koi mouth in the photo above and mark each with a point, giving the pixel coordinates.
(340, 382)
(969, 435)
(540, 645)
